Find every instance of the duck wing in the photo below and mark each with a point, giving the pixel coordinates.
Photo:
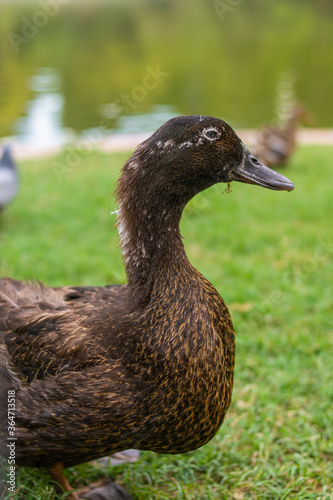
(59, 351)
(44, 331)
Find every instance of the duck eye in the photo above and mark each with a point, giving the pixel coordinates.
(211, 133)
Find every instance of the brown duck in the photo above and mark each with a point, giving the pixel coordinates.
(147, 365)
(274, 145)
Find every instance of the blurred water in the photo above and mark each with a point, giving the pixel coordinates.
(152, 60)
(146, 122)
(41, 127)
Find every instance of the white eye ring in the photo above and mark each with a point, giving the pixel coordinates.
(211, 133)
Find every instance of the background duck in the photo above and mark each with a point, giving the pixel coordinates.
(9, 181)
(274, 145)
(147, 365)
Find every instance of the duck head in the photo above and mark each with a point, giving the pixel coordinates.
(191, 153)
(186, 155)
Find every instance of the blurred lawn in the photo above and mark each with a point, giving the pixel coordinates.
(270, 256)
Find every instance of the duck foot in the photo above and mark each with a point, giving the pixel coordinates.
(104, 489)
(56, 472)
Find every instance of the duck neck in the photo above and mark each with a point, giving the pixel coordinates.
(151, 244)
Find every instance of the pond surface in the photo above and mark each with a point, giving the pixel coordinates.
(68, 67)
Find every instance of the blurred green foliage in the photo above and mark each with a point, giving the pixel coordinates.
(226, 64)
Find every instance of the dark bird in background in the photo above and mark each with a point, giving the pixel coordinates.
(148, 365)
(9, 181)
(273, 146)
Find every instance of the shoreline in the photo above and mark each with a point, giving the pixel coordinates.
(127, 142)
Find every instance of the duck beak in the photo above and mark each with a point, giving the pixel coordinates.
(252, 171)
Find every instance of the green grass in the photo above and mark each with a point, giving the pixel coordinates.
(270, 256)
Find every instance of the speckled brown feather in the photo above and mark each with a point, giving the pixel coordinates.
(148, 365)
